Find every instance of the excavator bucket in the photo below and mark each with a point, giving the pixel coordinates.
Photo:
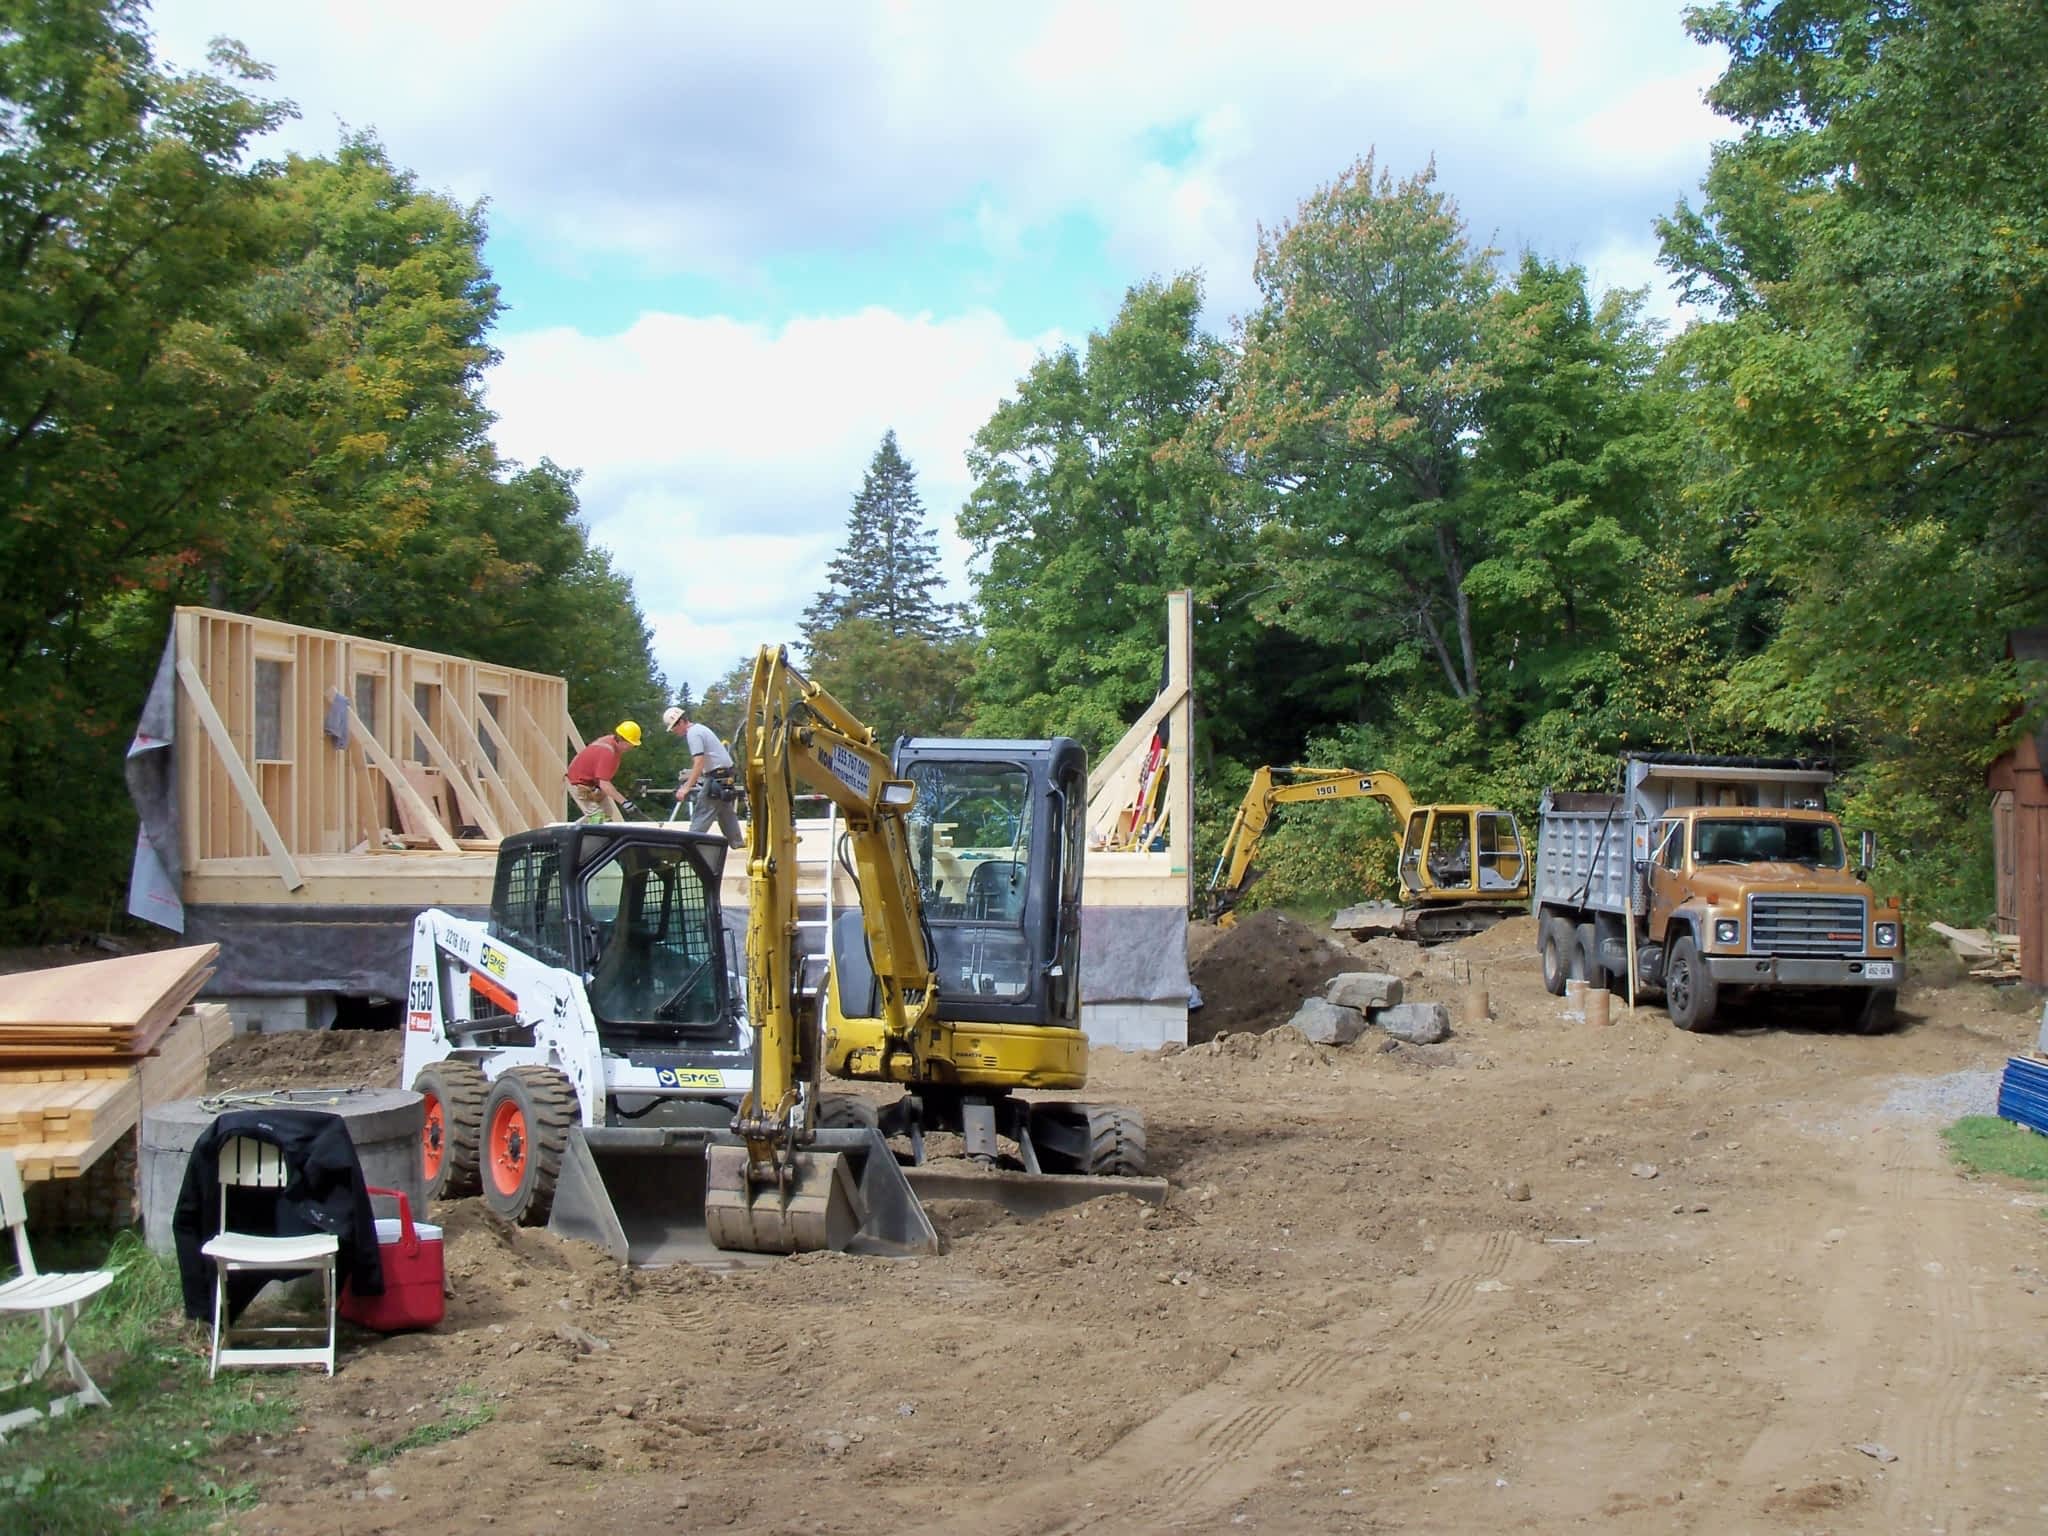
(643, 1195)
(849, 1195)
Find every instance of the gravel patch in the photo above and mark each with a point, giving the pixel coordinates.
(1945, 1098)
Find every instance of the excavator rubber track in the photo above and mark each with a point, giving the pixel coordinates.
(1419, 925)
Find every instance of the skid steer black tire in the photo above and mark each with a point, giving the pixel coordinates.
(847, 1112)
(1116, 1141)
(451, 1141)
(526, 1131)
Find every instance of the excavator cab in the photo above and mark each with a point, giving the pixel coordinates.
(1462, 853)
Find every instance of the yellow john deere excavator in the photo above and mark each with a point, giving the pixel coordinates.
(957, 979)
(1462, 867)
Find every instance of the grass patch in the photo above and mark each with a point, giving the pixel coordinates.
(150, 1462)
(1987, 1144)
(468, 1409)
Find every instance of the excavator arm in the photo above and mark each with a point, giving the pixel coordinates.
(1273, 787)
(788, 1187)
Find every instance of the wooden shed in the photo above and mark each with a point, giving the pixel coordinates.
(304, 794)
(2019, 822)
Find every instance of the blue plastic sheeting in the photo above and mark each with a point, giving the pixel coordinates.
(2023, 1093)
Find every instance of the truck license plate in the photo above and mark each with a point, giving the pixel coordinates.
(1878, 970)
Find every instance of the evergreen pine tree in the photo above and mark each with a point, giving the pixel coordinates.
(887, 569)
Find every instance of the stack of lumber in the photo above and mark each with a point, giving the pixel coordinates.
(104, 1008)
(84, 1049)
(1993, 956)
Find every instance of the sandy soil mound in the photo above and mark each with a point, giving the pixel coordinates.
(1254, 975)
(309, 1058)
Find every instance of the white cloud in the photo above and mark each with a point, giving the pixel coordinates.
(708, 139)
(720, 459)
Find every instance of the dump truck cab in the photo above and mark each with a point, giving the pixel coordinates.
(1769, 896)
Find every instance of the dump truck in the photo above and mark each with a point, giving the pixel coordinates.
(1713, 880)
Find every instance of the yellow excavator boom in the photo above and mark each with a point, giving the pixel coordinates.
(1273, 787)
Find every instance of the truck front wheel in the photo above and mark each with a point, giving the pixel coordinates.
(1871, 1013)
(1690, 994)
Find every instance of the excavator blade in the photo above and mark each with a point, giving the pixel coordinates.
(646, 1196)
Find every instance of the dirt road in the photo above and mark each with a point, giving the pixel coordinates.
(1544, 1277)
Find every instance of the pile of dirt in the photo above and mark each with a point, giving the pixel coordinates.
(1283, 1046)
(306, 1058)
(1254, 975)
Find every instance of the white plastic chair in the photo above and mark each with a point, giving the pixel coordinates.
(56, 1297)
(246, 1163)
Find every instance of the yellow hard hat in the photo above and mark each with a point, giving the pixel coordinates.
(628, 732)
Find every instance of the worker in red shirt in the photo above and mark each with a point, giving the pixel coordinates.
(592, 770)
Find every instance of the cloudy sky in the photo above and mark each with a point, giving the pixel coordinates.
(739, 242)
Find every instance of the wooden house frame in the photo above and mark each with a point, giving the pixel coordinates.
(2018, 782)
(444, 755)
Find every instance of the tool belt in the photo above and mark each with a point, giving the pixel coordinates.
(719, 785)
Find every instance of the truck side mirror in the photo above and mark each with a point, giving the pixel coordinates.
(1869, 852)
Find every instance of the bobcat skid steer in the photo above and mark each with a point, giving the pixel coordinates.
(579, 1051)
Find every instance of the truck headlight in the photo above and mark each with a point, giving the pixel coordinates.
(1727, 930)
(1886, 935)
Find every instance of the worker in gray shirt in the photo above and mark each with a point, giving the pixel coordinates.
(710, 766)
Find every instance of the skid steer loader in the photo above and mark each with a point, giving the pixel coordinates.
(576, 1052)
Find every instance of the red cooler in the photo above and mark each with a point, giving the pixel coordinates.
(414, 1275)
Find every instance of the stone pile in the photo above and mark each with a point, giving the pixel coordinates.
(1360, 1000)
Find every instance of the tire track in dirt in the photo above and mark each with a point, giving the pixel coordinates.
(1928, 1429)
(1255, 1414)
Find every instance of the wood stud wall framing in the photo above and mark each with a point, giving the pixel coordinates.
(262, 787)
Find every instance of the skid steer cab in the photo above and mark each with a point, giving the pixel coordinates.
(595, 1002)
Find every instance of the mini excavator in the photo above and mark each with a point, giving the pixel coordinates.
(1462, 867)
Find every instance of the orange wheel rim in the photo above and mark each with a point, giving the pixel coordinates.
(508, 1147)
(433, 1138)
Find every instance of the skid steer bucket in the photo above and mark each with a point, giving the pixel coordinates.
(639, 1194)
(850, 1196)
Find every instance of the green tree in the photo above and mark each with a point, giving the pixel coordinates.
(1876, 244)
(1356, 404)
(133, 404)
(1096, 493)
(887, 569)
(897, 685)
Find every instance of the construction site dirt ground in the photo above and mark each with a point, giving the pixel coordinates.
(1546, 1276)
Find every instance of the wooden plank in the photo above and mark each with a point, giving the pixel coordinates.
(238, 775)
(533, 730)
(451, 773)
(118, 993)
(69, 1158)
(399, 784)
(538, 802)
(483, 762)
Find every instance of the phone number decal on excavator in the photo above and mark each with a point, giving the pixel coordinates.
(850, 769)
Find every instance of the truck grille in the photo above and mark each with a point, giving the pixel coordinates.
(1806, 925)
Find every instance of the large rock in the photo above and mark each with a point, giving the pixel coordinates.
(1364, 989)
(1326, 1023)
(1417, 1023)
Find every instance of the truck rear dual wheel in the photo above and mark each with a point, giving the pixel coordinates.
(526, 1132)
(1555, 948)
(1691, 996)
(1586, 964)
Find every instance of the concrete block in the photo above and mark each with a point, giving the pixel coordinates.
(1364, 989)
(1327, 1023)
(1417, 1023)
(1134, 1026)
